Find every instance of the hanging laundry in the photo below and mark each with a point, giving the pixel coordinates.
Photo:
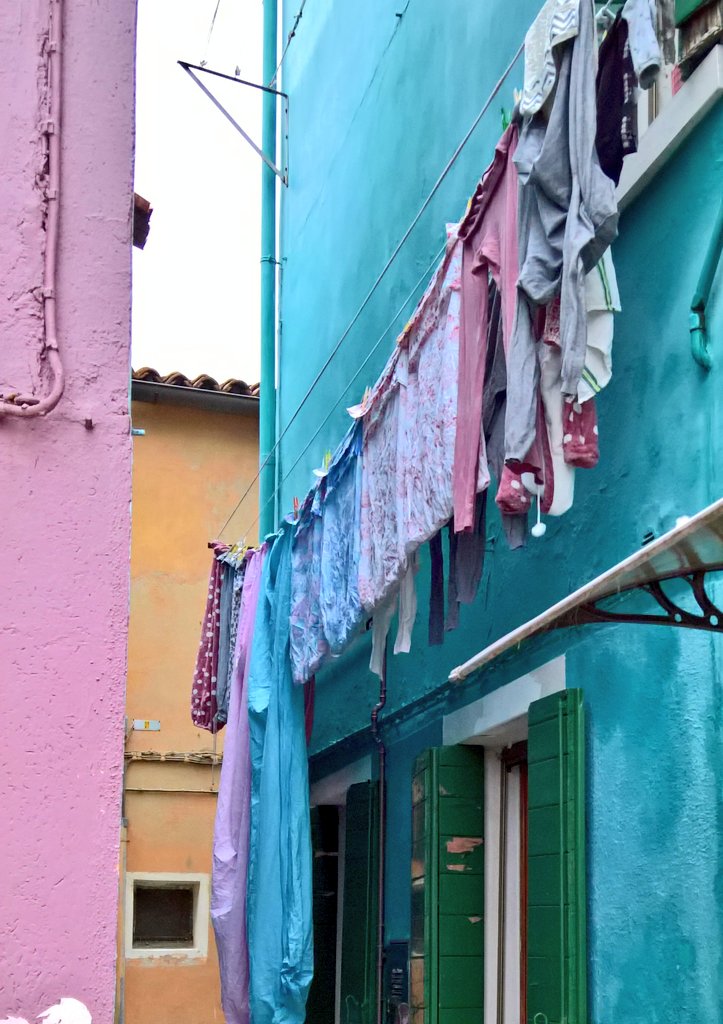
(465, 565)
(224, 642)
(239, 564)
(341, 610)
(572, 422)
(309, 702)
(602, 300)
(617, 108)
(382, 560)
(308, 644)
(488, 232)
(554, 406)
(231, 830)
(428, 409)
(403, 600)
(279, 896)
(557, 22)
(205, 677)
(435, 628)
(494, 404)
(580, 441)
(567, 218)
(641, 17)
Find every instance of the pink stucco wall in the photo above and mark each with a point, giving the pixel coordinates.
(64, 514)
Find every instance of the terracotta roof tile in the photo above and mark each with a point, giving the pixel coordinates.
(204, 382)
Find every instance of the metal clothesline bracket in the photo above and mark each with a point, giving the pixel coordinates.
(283, 173)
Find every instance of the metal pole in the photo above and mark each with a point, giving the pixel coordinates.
(267, 407)
(381, 875)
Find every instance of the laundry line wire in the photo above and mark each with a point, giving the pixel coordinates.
(290, 36)
(210, 32)
(380, 277)
(345, 389)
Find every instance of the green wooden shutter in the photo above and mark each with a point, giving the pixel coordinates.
(685, 8)
(447, 948)
(359, 924)
(325, 844)
(556, 914)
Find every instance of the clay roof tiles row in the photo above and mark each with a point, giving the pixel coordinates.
(204, 382)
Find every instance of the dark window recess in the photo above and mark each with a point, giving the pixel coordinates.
(325, 843)
(163, 916)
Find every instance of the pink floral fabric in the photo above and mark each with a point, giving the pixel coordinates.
(382, 560)
(429, 402)
(409, 433)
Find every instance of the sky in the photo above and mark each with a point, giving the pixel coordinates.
(196, 283)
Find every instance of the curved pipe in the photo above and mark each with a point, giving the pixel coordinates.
(697, 320)
(31, 405)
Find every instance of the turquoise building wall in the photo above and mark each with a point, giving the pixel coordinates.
(380, 97)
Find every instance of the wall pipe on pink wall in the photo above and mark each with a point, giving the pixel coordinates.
(31, 405)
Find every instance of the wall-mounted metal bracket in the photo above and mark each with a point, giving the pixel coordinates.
(283, 173)
(710, 617)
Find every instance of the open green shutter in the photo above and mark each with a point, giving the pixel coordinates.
(447, 949)
(359, 925)
(556, 916)
(325, 844)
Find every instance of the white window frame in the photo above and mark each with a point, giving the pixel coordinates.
(201, 914)
(677, 118)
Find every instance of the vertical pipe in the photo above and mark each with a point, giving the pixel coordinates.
(501, 895)
(267, 410)
(379, 706)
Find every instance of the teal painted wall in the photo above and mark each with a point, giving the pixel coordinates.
(378, 105)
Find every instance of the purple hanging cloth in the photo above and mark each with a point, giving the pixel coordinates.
(231, 832)
(203, 692)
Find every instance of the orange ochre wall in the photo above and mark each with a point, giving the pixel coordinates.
(189, 470)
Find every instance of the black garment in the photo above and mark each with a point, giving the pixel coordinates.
(617, 113)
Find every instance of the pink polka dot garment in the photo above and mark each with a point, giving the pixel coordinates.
(203, 693)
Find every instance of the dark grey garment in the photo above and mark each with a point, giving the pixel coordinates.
(566, 220)
(224, 643)
(494, 403)
(452, 618)
(470, 554)
(465, 565)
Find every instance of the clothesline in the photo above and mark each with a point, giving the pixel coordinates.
(415, 220)
(347, 386)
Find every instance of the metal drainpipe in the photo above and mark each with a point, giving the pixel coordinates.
(267, 405)
(29, 405)
(698, 332)
(378, 708)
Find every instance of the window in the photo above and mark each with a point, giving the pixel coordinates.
(163, 915)
(167, 914)
(498, 875)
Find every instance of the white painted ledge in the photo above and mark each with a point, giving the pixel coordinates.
(673, 125)
(333, 788)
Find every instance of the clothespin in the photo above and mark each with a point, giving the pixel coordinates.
(506, 118)
(357, 411)
(296, 509)
(327, 460)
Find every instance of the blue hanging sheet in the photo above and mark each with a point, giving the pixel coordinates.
(279, 897)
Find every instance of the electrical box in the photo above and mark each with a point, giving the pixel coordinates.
(396, 982)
